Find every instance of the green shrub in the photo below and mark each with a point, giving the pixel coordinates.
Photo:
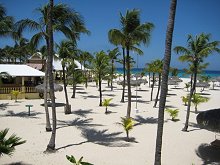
(173, 113)
(75, 162)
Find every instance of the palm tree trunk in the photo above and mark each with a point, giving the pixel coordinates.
(158, 91)
(123, 85)
(128, 82)
(51, 145)
(106, 110)
(152, 87)
(165, 73)
(100, 90)
(48, 125)
(112, 75)
(67, 108)
(192, 90)
(149, 79)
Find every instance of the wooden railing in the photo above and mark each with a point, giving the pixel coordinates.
(30, 90)
(7, 90)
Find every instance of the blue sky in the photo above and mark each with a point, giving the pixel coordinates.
(192, 17)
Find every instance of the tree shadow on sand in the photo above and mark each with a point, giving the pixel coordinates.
(90, 96)
(3, 106)
(17, 163)
(100, 138)
(23, 114)
(149, 120)
(208, 154)
(196, 127)
(82, 113)
(79, 123)
(56, 104)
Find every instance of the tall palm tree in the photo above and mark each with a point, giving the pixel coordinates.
(198, 48)
(164, 86)
(64, 49)
(132, 33)
(100, 67)
(6, 23)
(51, 145)
(113, 56)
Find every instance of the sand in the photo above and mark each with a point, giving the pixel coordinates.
(90, 133)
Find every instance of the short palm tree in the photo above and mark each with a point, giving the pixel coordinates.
(15, 93)
(198, 48)
(187, 85)
(73, 160)
(106, 103)
(173, 113)
(7, 145)
(198, 99)
(128, 125)
(185, 99)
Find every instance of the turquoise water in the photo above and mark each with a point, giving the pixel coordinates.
(181, 72)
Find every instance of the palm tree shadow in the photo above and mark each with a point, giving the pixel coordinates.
(23, 114)
(17, 163)
(149, 120)
(90, 96)
(56, 104)
(196, 127)
(102, 137)
(79, 123)
(208, 154)
(4, 106)
(82, 113)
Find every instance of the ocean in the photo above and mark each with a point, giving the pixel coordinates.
(181, 73)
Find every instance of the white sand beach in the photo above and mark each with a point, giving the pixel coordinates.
(90, 133)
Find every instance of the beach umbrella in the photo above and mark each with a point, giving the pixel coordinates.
(209, 120)
(40, 88)
(202, 84)
(175, 78)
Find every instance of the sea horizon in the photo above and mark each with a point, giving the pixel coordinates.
(182, 74)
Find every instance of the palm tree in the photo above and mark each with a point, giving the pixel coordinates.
(106, 103)
(73, 160)
(198, 48)
(85, 57)
(51, 145)
(7, 146)
(185, 99)
(133, 33)
(198, 99)
(100, 67)
(64, 54)
(164, 85)
(128, 125)
(159, 69)
(113, 56)
(6, 23)
(173, 113)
